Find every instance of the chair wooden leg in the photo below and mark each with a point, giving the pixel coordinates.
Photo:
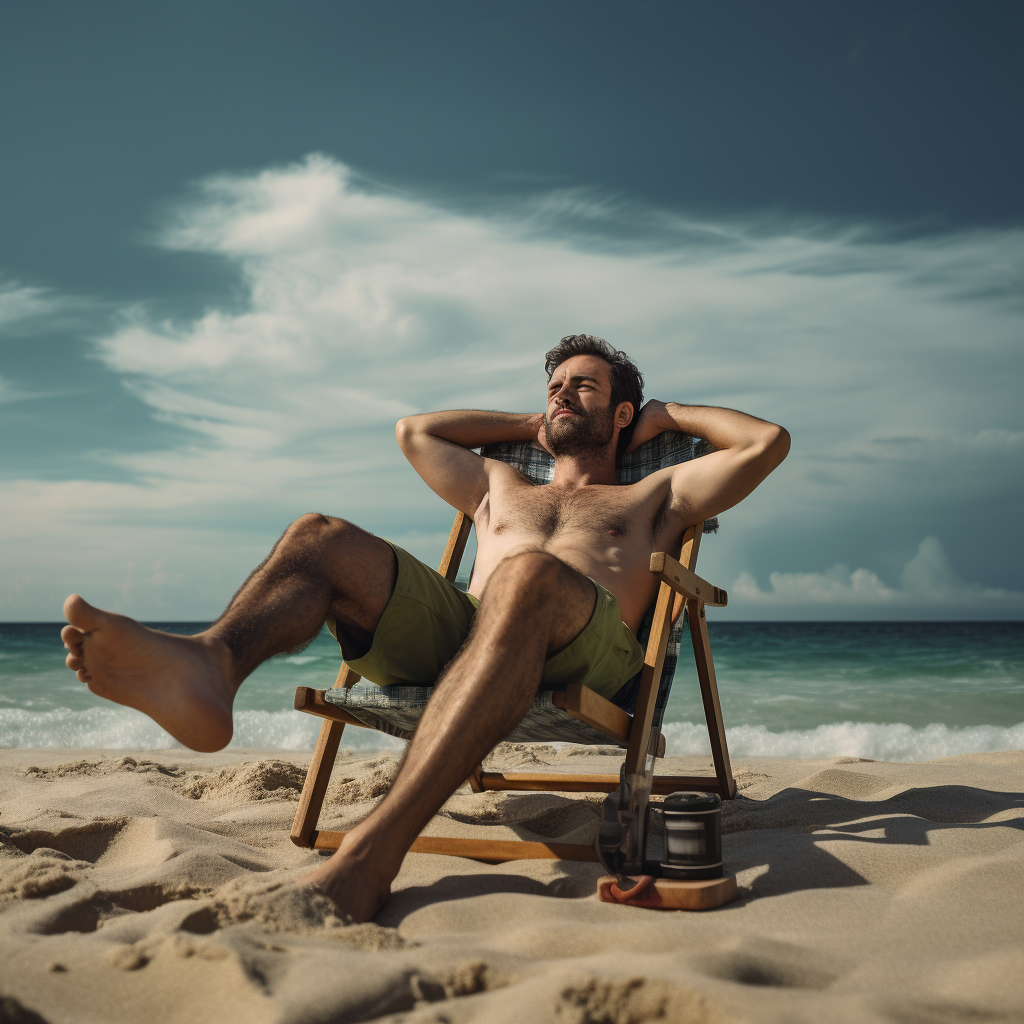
(476, 779)
(709, 694)
(457, 538)
(643, 713)
(311, 800)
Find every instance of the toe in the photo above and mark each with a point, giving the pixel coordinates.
(81, 614)
(72, 637)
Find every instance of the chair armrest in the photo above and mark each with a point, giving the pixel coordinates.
(583, 703)
(687, 583)
(312, 703)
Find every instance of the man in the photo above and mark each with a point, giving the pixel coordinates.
(559, 589)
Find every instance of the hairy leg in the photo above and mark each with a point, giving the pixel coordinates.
(534, 606)
(320, 567)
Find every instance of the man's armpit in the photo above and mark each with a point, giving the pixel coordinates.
(693, 487)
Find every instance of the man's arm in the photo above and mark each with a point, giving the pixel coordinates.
(748, 449)
(438, 446)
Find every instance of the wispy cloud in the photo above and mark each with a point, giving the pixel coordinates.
(889, 358)
(20, 302)
(11, 392)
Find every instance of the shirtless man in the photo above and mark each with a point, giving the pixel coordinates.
(560, 586)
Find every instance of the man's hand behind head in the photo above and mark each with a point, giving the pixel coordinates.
(542, 437)
(653, 420)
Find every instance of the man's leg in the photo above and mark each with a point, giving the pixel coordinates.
(534, 606)
(320, 567)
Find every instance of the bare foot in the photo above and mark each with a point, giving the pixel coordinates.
(184, 683)
(356, 882)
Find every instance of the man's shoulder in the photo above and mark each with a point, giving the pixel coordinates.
(508, 473)
(637, 492)
(651, 481)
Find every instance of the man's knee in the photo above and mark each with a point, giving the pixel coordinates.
(317, 530)
(536, 572)
(539, 587)
(340, 547)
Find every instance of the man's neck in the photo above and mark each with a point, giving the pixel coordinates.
(586, 468)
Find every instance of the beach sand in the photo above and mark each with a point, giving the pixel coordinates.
(157, 887)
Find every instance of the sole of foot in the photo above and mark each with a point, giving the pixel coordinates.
(185, 684)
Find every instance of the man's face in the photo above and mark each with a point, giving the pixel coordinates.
(579, 416)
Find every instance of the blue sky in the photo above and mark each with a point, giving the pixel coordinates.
(238, 240)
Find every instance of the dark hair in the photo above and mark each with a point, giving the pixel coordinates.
(626, 380)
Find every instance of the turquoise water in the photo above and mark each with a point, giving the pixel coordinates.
(897, 691)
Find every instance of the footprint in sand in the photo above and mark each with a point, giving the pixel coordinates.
(275, 901)
(38, 874)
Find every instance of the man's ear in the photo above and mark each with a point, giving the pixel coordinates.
(623, 414)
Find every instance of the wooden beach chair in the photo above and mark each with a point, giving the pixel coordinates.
(632, 719)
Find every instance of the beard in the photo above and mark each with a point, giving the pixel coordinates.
(582, 434)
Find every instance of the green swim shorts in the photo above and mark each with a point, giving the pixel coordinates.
(428, 618)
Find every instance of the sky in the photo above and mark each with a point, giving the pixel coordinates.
(239, 240)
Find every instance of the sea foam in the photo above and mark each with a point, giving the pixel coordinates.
(124, 729)
(871, 740)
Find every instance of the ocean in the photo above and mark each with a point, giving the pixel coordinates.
(898, 691)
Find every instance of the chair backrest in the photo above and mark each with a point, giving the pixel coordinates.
(667, 449)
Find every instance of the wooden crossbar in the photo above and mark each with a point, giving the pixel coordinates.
(583, 703)
(558, 782)
(494, 851)
(687, 583)
(312, 703)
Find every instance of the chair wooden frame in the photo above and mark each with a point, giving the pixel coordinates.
(680, 588)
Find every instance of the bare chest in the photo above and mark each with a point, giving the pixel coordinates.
(544, 513)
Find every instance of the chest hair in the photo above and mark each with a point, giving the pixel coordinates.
(548, 512)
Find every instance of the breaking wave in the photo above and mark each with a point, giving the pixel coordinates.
(877, 742)
(124, 729)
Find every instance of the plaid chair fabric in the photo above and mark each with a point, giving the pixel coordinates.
(395, 710)
(661, 452)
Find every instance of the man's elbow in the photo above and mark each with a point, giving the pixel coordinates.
(777, 443)
(769, 445)
(404, 432)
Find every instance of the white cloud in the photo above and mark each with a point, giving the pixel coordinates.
(887, 358)
(10, 392)
(927, 581)
(20, 303)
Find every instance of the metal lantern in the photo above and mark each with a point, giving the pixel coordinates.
(684, 837)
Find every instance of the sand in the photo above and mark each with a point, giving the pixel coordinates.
(160, 887)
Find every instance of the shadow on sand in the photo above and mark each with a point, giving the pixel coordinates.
(800, 818)
(805, 818)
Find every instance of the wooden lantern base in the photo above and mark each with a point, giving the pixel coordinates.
(670, 893)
